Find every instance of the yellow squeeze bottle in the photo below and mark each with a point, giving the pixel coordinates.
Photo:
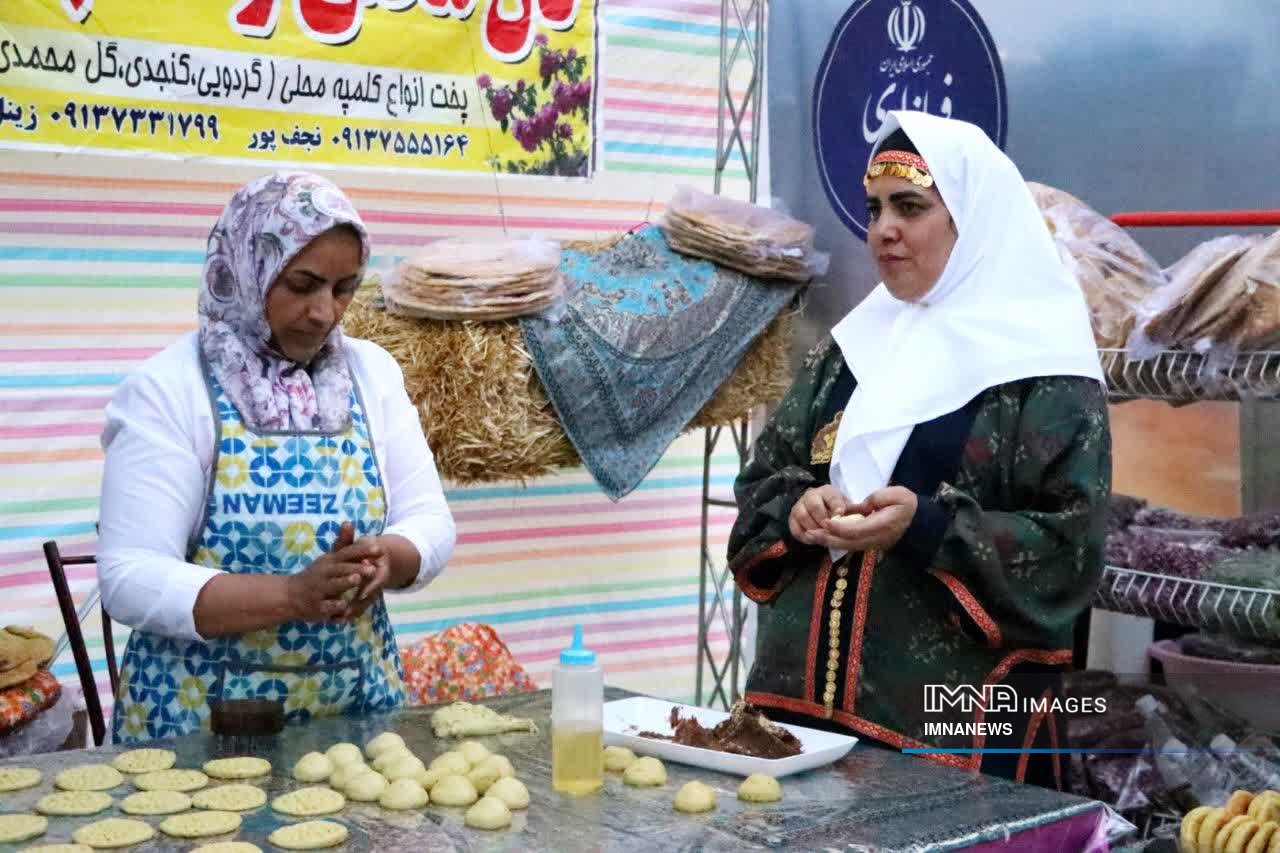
(577, 724)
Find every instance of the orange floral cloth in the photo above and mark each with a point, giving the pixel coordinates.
(464, 662)
(23, 702)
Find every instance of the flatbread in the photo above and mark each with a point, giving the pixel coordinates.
(59, 848)
(463, 719)
(200, 824)
(238, 768)
(228, 847)
(144, 760)
(89, 777)
(310, 835)
(309, 802)
(39, 647)
(155, 803)
(20, 827)
(171, 780)
(19, 778)
(230, 798)
(23, 672)
(114, 832)
(73, 803)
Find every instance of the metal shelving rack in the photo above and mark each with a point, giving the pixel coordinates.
(1243, 611)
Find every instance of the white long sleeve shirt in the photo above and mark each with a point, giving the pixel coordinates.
(159, 443)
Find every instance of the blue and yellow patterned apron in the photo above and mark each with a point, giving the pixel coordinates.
(276, 503)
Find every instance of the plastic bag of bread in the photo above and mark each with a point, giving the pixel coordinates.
(1257, 274)
(1115, 273)
(1202, 305)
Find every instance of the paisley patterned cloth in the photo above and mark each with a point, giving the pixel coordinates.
(262, 228)
(465, 663)
(23, 702)
(276, 504)
(647, 337)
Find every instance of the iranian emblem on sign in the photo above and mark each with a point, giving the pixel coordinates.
(906, 26)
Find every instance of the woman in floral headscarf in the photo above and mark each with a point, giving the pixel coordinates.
(266, 479)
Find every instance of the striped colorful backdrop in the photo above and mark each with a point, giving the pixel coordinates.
(99, 258)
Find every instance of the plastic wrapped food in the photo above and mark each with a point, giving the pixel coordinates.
(752, 239)
(1117, 550)
(1167, 519)
(1122, 510)
(1115, 273)
(1204, 304)
(477, 280)
(1259, 530)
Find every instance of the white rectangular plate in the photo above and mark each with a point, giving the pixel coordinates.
(626, 718)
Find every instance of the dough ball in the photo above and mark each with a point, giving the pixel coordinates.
(453, 763)
(500, 763)
(406, 768)
(344, 774)
(618, 758)
(403, 794)
(389, 757)
(342, 754)
(313, 767)
(489, 813)
(645, 773)
(511, 791)
(474, 751)
(759, 788)
(366, 787)
(695, 798)
(427, 777)
(454, 791)
(381, 744)
(483, 777)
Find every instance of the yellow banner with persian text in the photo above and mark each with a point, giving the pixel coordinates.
(450, 85)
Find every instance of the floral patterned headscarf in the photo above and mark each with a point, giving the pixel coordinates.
(263, 227)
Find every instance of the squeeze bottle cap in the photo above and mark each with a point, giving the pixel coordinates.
(577, 654)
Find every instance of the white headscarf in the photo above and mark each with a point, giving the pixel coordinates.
(1005, 308)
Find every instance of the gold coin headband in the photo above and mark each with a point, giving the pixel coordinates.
(899, 164)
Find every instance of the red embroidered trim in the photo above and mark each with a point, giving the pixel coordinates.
(906, 158)
(869, 560)
(815, 625)
(1029, 738)
(1017, 656)
(971, 606)
(1053, 742)
(742, 573)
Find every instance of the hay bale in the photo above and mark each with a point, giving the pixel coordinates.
(483, 409)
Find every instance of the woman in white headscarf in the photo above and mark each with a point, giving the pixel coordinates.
(926, 509)
(266, 479)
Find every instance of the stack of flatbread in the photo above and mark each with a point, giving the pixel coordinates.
(475, 280)
(1114, 272)
(23, 651)
(1224, 293)
(751, 239)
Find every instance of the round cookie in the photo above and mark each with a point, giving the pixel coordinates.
(473, 751)
(454, 791)
(243, 767)
(452, 763)
(342, 754)
(309, 802)
(759, 788)
(73, 803)
(402, 795)
(645, 773)
(695, 798)
(185, 781)
(230, 798)
(144, 760)
(20, 827)
(511, 791)
(114, 832)
(488, 813)
(18, 778)
(618, 758)
(310, 835)
(89, 777)
(366, 787)
(155, 803)
(1190, 829)
(313, 767)
(200, 824)
(228, 847)
(381, 744)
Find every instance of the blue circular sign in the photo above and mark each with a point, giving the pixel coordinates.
(930, 55)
